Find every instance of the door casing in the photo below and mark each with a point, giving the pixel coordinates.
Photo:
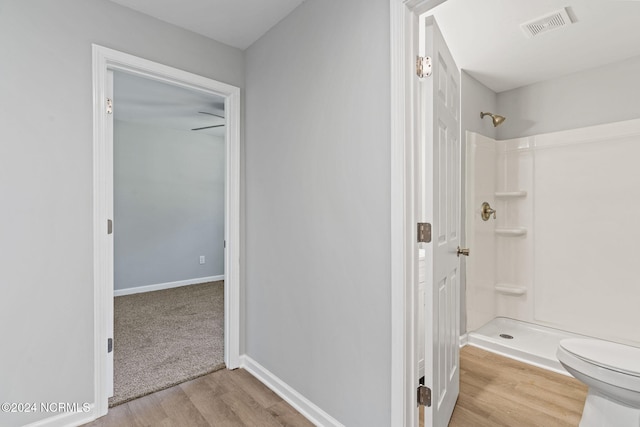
(105, 59)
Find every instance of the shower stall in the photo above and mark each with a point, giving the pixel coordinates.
(558, 259)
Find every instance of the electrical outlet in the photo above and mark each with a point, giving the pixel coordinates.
(201, 259)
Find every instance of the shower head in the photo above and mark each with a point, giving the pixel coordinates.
(497, 119)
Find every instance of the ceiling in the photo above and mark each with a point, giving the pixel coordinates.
(232, 22)
(487, 41)
(159, 104)
(485, 38)
(237, 23)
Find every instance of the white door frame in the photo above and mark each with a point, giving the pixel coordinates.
(108, 59)
(404, 268)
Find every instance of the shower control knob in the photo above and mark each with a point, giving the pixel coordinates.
(486, 211)
(463, 251)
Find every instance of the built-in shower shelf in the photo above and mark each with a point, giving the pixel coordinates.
(509, 289)
(511, 232)
(511, 194)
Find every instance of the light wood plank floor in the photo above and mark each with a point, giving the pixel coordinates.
(494, 392)
(497, 391)
(222, 398)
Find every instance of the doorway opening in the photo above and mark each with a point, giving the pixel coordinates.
(105, 61)
(169, 175)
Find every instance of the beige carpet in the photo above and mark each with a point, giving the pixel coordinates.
(163, 338)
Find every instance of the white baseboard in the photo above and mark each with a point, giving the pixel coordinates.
(67, 419)
(168, 285)
(303, 405)
(464, 340)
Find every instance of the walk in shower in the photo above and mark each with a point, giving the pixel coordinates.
(559, 258)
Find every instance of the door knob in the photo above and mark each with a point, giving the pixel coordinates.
(463, 251)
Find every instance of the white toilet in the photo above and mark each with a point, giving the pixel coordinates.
(612, 373)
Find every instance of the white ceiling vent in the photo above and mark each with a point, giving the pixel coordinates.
(546, 23)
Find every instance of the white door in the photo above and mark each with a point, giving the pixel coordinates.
(440, 176)
(109, 242)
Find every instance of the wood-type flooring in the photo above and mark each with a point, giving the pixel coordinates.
(494, 392)
(222, 398)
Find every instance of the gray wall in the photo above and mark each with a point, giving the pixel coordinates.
(46, 175)
(605, 94)
(318, 197)
(476, 97)
(169, 205)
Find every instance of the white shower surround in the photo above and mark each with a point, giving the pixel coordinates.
(561, 252)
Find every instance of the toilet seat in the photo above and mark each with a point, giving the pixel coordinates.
(604, 354)
(612, 373)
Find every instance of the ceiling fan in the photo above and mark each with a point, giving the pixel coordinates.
(209, 127)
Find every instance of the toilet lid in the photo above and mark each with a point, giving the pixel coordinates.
(609, 355)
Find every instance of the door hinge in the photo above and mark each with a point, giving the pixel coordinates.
(423, 66)
(109, 226)
(109, 345)
(424, 232)
(109, 106)
(424, 396)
